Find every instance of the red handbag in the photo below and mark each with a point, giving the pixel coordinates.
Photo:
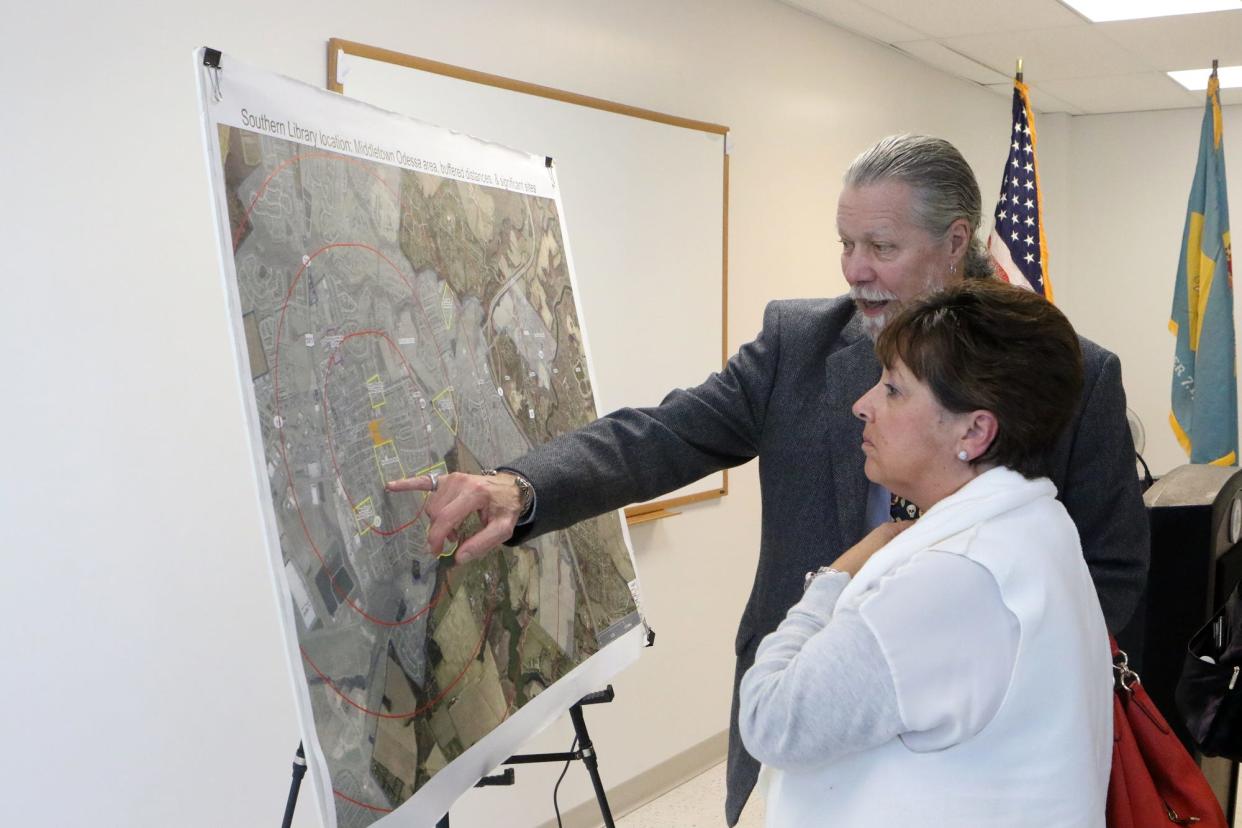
(1154, 782)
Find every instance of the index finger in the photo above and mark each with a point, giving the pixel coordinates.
(418, 483)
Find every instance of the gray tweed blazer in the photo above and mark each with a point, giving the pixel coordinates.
(785, 398)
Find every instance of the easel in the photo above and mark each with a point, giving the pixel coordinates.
(585, 752)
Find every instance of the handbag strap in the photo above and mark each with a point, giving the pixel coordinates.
(1124, 678)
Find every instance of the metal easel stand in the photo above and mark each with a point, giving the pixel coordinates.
(299, 770)
(585, 752)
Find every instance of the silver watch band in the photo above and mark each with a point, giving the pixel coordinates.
(526, 492)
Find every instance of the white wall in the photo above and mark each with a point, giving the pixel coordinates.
(144, 679)
(1129, 178)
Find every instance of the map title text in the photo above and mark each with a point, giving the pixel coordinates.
(288, 128)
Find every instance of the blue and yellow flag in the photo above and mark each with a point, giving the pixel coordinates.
(1205, 392)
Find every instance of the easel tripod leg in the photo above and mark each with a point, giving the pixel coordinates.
(592, 765)
(299, 770)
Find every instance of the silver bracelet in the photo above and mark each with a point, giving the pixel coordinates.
(812, 575)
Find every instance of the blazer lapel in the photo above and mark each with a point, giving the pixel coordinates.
(852, 370)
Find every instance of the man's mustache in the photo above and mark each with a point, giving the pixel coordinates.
(871, 294)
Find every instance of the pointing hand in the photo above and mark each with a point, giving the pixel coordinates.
(454, 497)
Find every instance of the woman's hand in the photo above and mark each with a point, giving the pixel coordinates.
(852, 559)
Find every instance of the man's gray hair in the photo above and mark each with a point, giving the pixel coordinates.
(944, 185)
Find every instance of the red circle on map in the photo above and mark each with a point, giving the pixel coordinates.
(422, 326)
(280, 427)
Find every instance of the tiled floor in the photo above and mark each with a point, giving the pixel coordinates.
(698, 803)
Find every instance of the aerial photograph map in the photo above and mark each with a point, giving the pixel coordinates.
(398, 323)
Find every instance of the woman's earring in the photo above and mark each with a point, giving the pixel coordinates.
(963, 456)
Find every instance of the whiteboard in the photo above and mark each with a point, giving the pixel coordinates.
(645, 199)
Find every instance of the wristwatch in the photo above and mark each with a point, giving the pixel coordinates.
(526, 492)
(813, 574)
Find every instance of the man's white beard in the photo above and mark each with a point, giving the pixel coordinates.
(872, 325)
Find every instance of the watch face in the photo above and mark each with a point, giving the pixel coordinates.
(1235, 520)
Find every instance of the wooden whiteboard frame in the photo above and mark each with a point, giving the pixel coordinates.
(654, 509)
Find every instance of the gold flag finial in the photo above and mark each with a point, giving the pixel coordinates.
(1213, 90)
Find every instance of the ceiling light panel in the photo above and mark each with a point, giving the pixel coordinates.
(1099, 11)
(1197, 79)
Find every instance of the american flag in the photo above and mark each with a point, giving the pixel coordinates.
(1018, 246)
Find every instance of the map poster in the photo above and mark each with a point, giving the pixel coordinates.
(402, 301)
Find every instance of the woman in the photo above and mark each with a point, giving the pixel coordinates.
(953, 670)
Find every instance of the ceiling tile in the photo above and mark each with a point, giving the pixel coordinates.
(1122, 93)
(858, 18)
(941, 57)
(1072, 65)
(1184, 42)
(965, 17)
(1067, 52)
(1041, 100)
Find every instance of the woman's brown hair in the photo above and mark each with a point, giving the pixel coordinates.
(985, 344)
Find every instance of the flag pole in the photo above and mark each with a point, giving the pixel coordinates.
(1215, 64)
(1019, 74)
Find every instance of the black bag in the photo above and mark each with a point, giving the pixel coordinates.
(1209, 693)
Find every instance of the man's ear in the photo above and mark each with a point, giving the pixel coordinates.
(958, 237)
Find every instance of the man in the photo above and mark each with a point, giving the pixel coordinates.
(908, 219)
